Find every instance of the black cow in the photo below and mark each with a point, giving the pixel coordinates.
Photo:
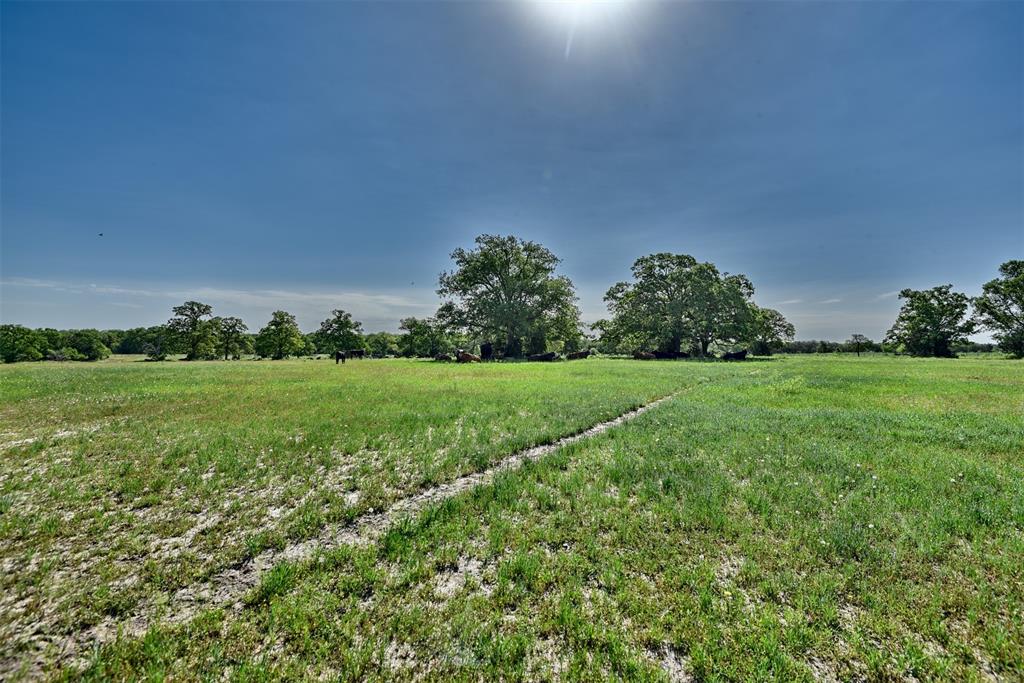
(443, 357)
(735, 355)
(486, 351)
(577, 355)
(671, 355)
(339, 357)
(356, 353)
(643, 355)
(543, 357)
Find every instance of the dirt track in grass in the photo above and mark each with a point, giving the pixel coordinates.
(228, 588)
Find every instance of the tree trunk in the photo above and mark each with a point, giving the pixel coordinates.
(513, 346)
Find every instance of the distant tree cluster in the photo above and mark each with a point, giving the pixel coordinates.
(18, 343)
(856, 344)
(505, 295)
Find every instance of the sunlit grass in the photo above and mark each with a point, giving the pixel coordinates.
(799, 518)
(128, 479)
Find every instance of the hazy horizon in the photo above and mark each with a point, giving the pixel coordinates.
(311, 156)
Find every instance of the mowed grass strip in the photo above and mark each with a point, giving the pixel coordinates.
(827, 519)
(124, 481)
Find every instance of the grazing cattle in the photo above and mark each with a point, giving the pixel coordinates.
(671, 354)
(578, 355)
(643, 355)
(464, 357)
(543, 357)
(443, 357)
(339, 357)
(735, 355)
(486, 351)
(356, 353)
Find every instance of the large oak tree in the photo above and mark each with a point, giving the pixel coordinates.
(674, 300)
(931, 321)
(280, 337)
(231, 337)
(339, 333)
(505, 290)
(193, 329)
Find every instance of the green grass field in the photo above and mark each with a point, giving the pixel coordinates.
(826, 518)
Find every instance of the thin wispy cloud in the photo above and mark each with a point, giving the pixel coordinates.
(887, 295)
(791, 301)
(830, 301)
(376, 309)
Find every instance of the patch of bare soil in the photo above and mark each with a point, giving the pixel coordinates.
(675, 665)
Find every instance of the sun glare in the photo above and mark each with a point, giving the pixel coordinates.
(574, 15)
(580, 12)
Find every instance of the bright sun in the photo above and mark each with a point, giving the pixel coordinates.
(580, 12)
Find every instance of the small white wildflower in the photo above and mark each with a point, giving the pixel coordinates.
(871, 526)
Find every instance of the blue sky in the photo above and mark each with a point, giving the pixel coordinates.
(311, 156)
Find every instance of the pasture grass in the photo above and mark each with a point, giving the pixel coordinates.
(804, 518)
(123, 481)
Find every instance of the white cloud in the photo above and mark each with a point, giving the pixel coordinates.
(887, 295)
(790, 301)
(830, 301)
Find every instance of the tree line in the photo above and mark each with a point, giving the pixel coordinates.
(506, 295)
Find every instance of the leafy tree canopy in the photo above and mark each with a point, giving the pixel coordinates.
(424, 338)
(18, 344)
(89, 343)
(674, 299)
(506, 290)
(191, 326)
(769, 330)
(1000, 308)
(231, 338)
(280, 337)
(339, 333)
(931, 321)
(381, 344)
